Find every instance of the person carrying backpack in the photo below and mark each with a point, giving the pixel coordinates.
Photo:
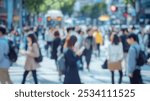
(4, 59)
(33, 57)
(134, 69)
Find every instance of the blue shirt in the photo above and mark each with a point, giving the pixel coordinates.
(132, 56)
(4, 49)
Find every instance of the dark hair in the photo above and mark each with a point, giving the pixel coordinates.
(3, 30)
(88, 30)
(133, 36)
(115, 40)
(69, 29)
(71, 42)
(56, 34)
(33, 38)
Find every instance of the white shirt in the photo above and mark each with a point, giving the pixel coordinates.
(115, 52)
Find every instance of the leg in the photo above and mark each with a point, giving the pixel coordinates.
(112, 77)
(24, 76)
(136, 77)
(140, 78)
(88, 58)
(35, 76)
(125, 64)
(98, 49)
(121, 74)
(4, 77)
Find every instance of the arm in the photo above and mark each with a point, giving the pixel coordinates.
(121, 51)
(35, 52)
(1, 53)
(131, 61)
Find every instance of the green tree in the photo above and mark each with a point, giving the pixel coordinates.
(33, 6)
(98, 9)
(37, 6)
(94, 11)
(86, 10)
(67, 7)
(131, 2)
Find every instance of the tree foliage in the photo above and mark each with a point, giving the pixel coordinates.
(95, 10)
(131, 2)
(37, 6)
(33, 5)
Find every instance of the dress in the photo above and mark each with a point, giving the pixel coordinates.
(71, 75)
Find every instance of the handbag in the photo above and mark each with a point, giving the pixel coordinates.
(115, 65)
(40, 57)
(105, 64)
(61, 64)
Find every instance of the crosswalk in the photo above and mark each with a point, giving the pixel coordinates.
(48, 74)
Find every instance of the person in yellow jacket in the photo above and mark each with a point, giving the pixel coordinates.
(99, 40)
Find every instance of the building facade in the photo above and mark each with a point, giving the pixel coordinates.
(10, 12)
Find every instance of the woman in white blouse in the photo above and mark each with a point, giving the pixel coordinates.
(115, 56)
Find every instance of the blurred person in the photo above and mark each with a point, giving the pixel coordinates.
(78, 46)
(49, 38)
(72, 74)
(133, 70)
(115, 56)
(33, 52)
(4, 59)
(146, 41)
(89, 44)
(55, 44)
(126, 47)
(69, 30)
(17, 40)
(99, 40)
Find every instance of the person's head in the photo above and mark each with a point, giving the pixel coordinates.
(89, 32)
(115, 39)
(69, 30)
(125, 31)
(32, 39)
(132, 38)
(56, 34)
(72, 41)
(2, 31)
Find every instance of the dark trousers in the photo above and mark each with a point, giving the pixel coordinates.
(33, 74)
(120, 78)
(137, 78)
(98, 48)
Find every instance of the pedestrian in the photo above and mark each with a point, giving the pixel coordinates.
(115, 56)
(72, 74)
(78, 46)
(49, 37)
(126, 46)
(99, 40)
(4, 59)
(55, 44)
(33, 52)
(89, 44)
(133, 70)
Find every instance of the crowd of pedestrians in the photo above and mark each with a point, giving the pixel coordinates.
(69, 46)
